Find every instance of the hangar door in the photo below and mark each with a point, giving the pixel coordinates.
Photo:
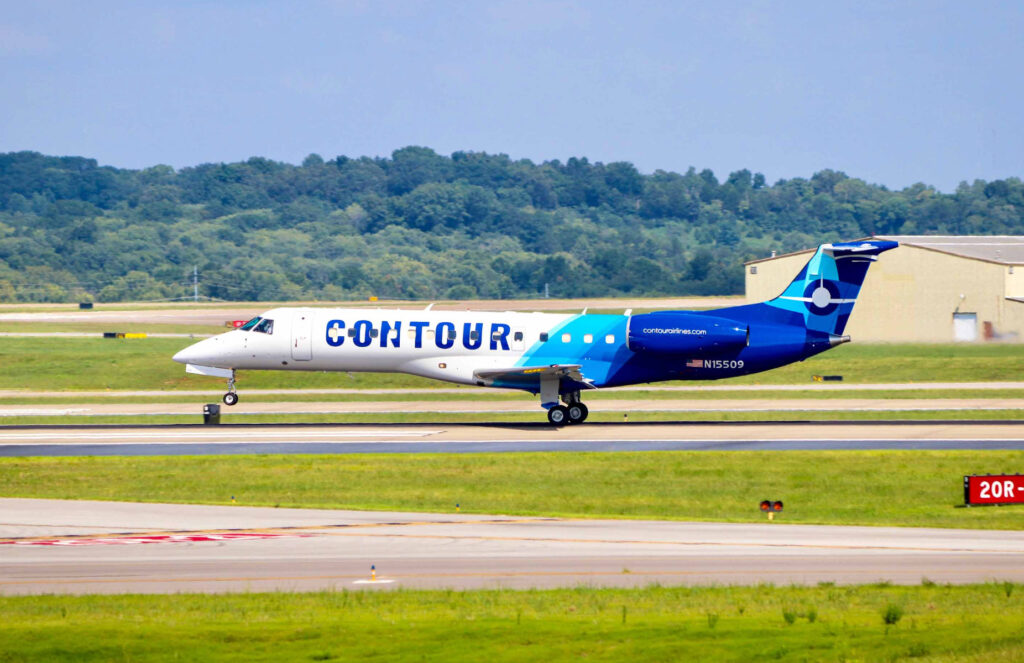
(302, 336)
(965, 327)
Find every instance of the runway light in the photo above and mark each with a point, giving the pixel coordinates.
(373, 572)
(232, 499)
(456, 507)
(770, 507)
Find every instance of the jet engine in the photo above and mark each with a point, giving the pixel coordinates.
(685, 333)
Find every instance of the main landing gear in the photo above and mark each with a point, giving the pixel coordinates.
(231, 397)
(573, 412)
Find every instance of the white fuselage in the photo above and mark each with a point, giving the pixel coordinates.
(444, 345)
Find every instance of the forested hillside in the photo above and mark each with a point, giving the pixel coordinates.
(421, 225)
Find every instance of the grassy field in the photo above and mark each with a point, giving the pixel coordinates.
(63, 364)
(913, 488)
(470, 394)
(825, 623)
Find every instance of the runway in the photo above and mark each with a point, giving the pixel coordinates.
(106, 440)
(52, 546)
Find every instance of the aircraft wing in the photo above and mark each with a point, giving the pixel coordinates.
(532, 375)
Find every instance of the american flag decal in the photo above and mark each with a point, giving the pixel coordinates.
(695, 363)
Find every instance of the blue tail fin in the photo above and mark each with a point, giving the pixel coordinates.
(826, 288)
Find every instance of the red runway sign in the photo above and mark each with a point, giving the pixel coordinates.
(994, 489)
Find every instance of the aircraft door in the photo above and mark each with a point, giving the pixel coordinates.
(302, 336)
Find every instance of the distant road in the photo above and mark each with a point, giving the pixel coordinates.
(188, 314)
(93, 335)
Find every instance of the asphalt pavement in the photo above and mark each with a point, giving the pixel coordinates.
(54, 546)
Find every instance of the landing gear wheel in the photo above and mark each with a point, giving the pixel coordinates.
(558, 415)
(577, 413)
(230, 398)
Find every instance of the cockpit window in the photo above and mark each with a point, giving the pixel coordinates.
(265, 326)
(252, 323)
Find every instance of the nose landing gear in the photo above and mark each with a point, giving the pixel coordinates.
(231, 397)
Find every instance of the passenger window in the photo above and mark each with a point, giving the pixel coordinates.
(374, 333)
(518, 336)
(474, 335)
(566, 338)
(351, 332)
(496, 336)
(609, 339)
(252, 323)
(266, 326)
(588, 338)
(543, 337)
(451, 334)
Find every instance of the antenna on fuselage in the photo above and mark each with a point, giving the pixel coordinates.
(429, 306)
(585, 309)
(629, 311)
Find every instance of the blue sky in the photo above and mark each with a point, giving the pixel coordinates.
(892, 92)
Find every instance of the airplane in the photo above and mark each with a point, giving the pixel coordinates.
(556, 356)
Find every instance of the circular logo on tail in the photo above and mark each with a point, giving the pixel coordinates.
(822, 297)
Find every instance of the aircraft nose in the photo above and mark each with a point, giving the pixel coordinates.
(202, 353)
(186, 356)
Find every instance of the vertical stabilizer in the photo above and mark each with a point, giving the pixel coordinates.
(824, 291)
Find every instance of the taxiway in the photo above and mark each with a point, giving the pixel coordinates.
(53, 546)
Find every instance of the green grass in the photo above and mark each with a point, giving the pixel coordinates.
(470, 394)
(75, 364)
(62, 364)
(823, 623)
(912, 488)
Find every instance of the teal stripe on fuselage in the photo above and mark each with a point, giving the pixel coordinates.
(600, 360)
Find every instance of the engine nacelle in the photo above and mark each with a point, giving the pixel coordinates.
(685, 333)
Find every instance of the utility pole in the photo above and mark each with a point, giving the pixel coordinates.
(195, 283)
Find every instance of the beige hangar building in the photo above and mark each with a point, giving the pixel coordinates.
(930, 289)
